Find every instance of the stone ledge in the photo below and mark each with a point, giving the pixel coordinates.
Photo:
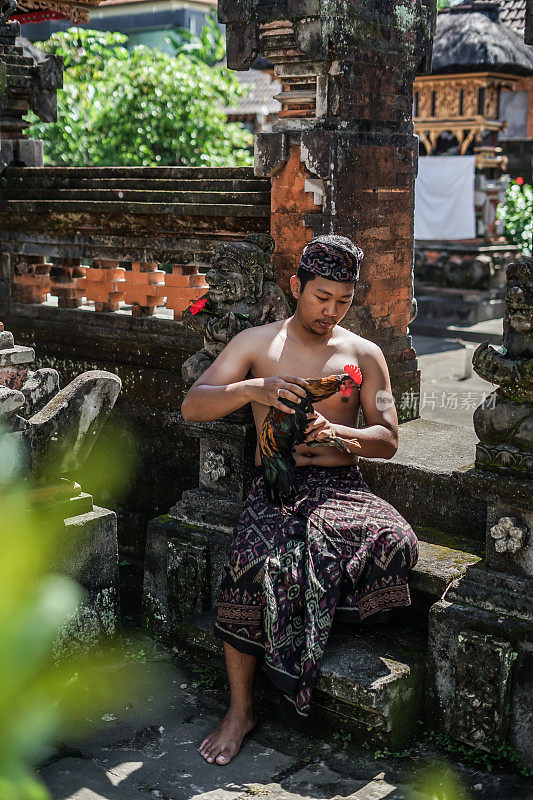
(375, 679)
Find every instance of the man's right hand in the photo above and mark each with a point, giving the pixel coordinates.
(265, 391)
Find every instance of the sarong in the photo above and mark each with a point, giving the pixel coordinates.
(332, 549)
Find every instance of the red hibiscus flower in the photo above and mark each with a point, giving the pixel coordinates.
(195, 308)
(355, 374)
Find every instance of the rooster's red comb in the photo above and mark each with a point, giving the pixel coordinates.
(355, 373)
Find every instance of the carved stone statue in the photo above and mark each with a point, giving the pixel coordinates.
(242, 294)
(505, 425)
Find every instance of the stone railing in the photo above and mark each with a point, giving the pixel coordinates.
(125, 240)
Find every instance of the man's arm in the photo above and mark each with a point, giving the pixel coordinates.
(379, 438)
(224, 387)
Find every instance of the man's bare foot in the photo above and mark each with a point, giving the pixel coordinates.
(225, 741)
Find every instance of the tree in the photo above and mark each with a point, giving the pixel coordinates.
(140, 108)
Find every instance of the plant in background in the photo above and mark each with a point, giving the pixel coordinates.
(517, 214)
(208, 48)
(140, 108)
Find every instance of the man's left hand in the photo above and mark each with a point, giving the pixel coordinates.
(319, 429)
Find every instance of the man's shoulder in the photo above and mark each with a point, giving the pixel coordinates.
(360, 345)
(260, 334)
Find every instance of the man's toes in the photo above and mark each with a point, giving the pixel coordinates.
(213, 753)
(224, 756)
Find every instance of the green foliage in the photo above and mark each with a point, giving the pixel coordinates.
(140, 108)
(209, 678)
(517, 215)
(208, 48)
(343, 738)
(39, 700)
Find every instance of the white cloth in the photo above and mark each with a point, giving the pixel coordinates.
(444, 198)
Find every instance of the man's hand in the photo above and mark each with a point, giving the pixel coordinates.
(265, 391)
(319, 429)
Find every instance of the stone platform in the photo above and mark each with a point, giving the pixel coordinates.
(373, 678)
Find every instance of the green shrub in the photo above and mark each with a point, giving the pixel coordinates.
(517, 215)
(140, 108)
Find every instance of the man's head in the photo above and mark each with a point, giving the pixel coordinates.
(325, 281)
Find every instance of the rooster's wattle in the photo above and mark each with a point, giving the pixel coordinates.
(281, 431)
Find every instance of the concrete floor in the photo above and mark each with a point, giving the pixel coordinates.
(142, 744)
(450, 389)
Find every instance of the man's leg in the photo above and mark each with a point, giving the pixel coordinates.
(224, 742)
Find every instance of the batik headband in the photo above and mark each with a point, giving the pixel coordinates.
(331, 262)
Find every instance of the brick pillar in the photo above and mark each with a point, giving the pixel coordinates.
(67, 279)
(105, 284)
(342, 156)
(183, 287)
(144, 288)
(31, 279)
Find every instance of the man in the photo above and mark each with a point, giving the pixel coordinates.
(333, 548)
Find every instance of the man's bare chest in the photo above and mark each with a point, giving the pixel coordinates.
(302, 363)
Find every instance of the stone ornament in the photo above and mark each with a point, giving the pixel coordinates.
(242, 293)
(216, 465)
(482, 686)
(509, 535)
(505, 427)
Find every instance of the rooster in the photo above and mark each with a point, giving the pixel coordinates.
(281, 430)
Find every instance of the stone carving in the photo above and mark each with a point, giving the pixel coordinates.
(482, 684)
(505, 426)
(59, 427)
(215, 465)
(509, 535)
(57, 430)
(242, 293)
(462, 270)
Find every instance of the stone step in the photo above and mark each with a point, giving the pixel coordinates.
(144, 196)
(145, 173)
(18, 183)
(433, 462)
(370, 679)
(438, 563)
(121, 207)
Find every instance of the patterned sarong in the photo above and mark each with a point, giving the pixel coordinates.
(333, 548)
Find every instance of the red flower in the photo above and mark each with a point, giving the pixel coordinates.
(355, 374)
(195, 308)
(520, 181)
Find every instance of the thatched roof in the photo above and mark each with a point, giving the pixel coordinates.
(468, 41)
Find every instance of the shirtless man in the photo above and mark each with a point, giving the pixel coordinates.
(265, 366)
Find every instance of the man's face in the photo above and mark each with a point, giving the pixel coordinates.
(323, 303)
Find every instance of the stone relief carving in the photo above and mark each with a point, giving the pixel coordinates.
(216, 465)
(505, 428)
(242, 293)
(482, 684)
(509, 535)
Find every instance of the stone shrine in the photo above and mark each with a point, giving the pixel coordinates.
(342, 156)
(24, 86)
(54, 431)
(481, 631)
(187, 547)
